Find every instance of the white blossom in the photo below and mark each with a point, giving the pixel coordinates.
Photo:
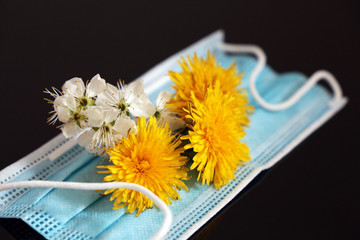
(164, 114)
(107, 128)
(73, 118)
(127, 99)
(66, 111)
(84, 96)
(70, 104)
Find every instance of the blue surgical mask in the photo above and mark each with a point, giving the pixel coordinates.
(276, 128)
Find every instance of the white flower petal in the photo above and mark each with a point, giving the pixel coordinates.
(162, 99)
(110, 115)
(69, 101)
(65, 101)
(134, 90)
(96, 86)
(59, 102)
(174, 122)
(109, 96)
(95, 116)
(123, 126)
(74, 87)
(70, 129)
(85, 138)
(142, 108)
(63, 113)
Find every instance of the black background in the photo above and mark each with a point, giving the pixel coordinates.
(312, 193)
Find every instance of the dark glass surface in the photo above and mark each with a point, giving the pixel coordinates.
(310, 194)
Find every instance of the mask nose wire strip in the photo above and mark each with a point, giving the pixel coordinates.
(259, 53)
(160, 234)
(63, 148)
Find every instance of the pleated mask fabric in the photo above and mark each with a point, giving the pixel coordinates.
(74, 214)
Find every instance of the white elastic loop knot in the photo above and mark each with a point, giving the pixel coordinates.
(259, 53)
(165, 227)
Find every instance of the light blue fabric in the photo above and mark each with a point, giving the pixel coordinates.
(73, 214)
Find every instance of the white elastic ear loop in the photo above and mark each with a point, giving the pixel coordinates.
(259, 53)
(165, 227)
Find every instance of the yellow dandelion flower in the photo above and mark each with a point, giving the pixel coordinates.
(215, 133)
(196, 76)
(150, 158)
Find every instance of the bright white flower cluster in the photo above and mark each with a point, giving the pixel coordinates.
(103, 113)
